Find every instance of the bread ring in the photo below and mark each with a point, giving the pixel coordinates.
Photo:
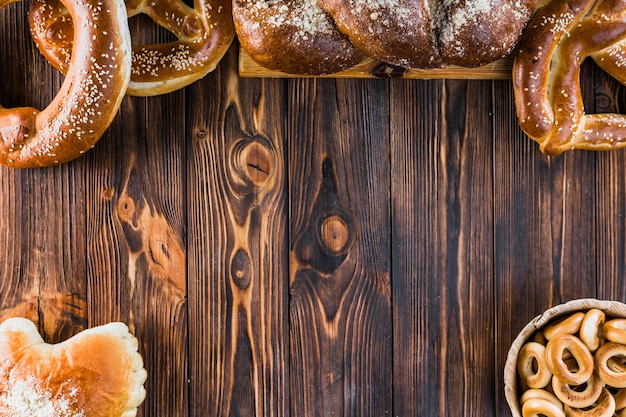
(590, 328)
(569, 325)
(532, 367)
(538, 407)
(605, 407)
(611, 375)
(540, 394)
(204, 34)
(88, 99)
(578, 398)
(615, 330)
(546, 74)
(293, 36)
(554, 358)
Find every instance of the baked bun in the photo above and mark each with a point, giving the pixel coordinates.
(98, 372)
(293, 36)
(429, 34)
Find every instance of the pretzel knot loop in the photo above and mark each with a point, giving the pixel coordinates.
(203, 35)
(546, 74)
(88, 100)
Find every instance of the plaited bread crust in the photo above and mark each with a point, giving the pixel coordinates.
(293, 36)
(427, 34)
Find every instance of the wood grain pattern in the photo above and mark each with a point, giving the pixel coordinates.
(238, 242)
(307, 246)
(340, 271)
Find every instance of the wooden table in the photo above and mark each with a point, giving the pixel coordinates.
(310, 247)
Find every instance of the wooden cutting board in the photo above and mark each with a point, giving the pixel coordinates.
(371, 68)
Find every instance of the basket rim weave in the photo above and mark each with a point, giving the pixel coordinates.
(611, 308)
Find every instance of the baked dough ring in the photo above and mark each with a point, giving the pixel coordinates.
(575, 397)
(614, 376)
(538, 407)
(569, 325)
(98, 372)
(541, 394)
(88, 99)
(546, 74)
(615, 330)
(605, 407)
(532, 367)
(591, 327)
(204, 34)
(554, 358)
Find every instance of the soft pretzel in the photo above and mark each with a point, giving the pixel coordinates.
(293, 36)
(204, 34)
(546, 74)
(427, 34)
(88, 99)
(97, 372)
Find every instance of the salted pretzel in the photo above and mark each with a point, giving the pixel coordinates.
(204, 34)
(88, 100)
(546, 74)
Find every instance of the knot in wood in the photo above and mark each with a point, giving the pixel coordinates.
(126, 209)
(253, 162)
(240, 270)
(334, 234)
(201, 134)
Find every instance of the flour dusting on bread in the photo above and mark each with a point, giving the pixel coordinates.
(27, 398)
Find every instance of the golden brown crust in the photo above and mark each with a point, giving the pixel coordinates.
(204, 33)
(89, 96)
(546, 74)
(292, 36)
(427, 34)
(98, 372)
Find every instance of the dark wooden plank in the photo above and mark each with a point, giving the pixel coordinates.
(545, 228)
(238, 253)
(43, 212)
(607, 95)
(442, 231)
(340, 312)
(137, 243)
(136, 230)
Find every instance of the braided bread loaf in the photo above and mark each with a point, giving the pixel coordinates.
(316, 36)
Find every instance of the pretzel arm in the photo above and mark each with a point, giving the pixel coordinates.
(180, 19)
(602, 132)
(531, 69)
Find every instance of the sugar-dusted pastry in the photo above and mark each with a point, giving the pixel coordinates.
(97, 372)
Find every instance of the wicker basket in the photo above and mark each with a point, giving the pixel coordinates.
(610, 308)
